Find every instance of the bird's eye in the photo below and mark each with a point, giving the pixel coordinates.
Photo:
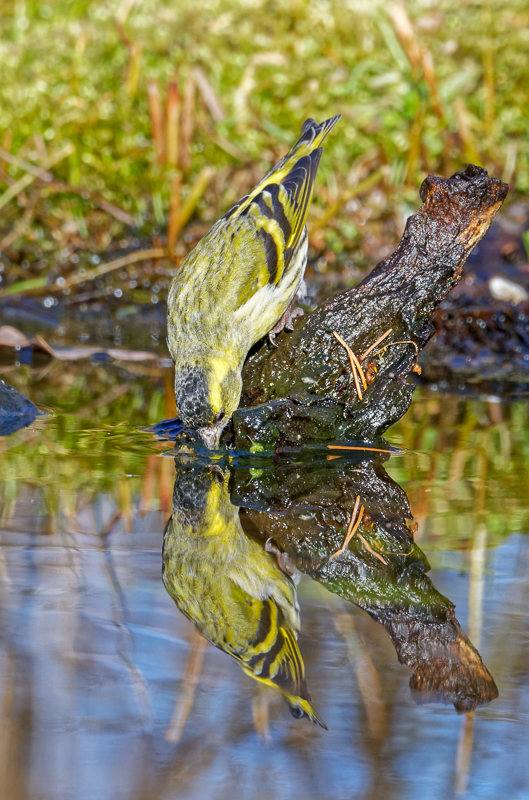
(219, 417)
(296, 712)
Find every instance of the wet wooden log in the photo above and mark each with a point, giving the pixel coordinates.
(304, 391)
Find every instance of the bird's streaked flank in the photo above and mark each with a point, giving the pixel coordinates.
(237, 285)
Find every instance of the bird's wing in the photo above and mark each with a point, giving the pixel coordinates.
(273, 658)
(279, 203)
(253, 246)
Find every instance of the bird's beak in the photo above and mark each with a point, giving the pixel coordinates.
(211, 436)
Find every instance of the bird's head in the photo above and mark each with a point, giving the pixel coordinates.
(300, 707)
(206, 396)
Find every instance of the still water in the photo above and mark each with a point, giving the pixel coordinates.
(117, 559)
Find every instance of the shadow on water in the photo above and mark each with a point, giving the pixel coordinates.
(239, 537)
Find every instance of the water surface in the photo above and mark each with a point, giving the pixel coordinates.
(107, 690)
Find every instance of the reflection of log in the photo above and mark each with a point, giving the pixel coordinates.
(303, 391)
(306, 512)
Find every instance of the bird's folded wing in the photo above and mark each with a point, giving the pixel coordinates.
(279, 203)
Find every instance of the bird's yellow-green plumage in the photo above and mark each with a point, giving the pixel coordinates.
(237, 283)
(232, 589)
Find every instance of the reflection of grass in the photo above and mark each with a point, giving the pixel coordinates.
(93, 445)
(235, 80)
(476, 469)
(467, 464)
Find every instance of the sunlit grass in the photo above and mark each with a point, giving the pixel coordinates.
(231, 83)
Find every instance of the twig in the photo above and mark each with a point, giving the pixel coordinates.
(131, 258)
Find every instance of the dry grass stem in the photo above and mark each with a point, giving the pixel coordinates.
(29, 178)
(172, 123)
(351, 530)
(196, 192)
(375, 344)
(208, 95)
(392, 344)
(370, 549)
(418, 55)
(22, 226)
(363, 186)
(156, 116)
(174, 213)
(134, 68)
(184, 704)
(187, 124)
(369, 449)
(118, 263)
(25, 166)
(355, 366)
(110, 208)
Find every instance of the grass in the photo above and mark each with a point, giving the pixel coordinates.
(144, 116)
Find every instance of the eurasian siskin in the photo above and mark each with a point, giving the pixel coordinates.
(237, 283)
(231, 589)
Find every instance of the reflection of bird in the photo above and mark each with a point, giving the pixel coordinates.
(236, 284)
(232, 589)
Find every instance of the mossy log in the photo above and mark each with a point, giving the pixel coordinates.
(303, 391)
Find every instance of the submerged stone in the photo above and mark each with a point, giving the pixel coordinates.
(16, 411)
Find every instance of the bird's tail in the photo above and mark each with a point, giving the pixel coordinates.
(275, 660)
(312, 136)
(300, 707)
(297, 182)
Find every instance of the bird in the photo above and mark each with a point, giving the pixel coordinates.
(232, 589)
(238, 284)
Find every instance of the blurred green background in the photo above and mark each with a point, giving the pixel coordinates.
(121, 122)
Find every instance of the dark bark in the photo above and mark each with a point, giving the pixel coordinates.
(303, 391)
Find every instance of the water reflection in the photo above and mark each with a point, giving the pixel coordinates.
(239, 536)
(234, 591)
(107, 691)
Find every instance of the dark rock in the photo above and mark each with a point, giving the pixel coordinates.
(16, 411)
